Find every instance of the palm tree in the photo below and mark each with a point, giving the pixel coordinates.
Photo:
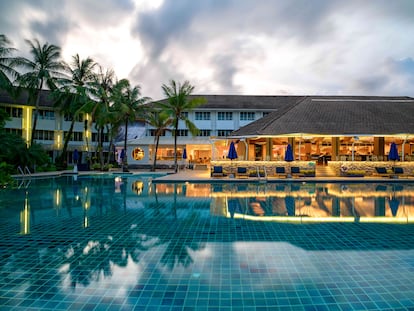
(177, 103)
(161, 121)
(40, 71)
(99, 107)
(6, 64)
(129, 104)
(74, 93)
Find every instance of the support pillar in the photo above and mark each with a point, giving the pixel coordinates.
(335, 148)
(379, 144)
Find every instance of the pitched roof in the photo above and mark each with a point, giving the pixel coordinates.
(337, 115)
(23, 98)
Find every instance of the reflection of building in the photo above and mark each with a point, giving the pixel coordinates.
(312, 202)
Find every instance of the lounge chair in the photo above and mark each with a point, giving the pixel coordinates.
(295, 171)
(242, 172)
(280, 171)
(382, 171)
(398, 170)
(217, 171)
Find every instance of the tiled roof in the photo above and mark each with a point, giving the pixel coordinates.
(337, 116)
(22, 99)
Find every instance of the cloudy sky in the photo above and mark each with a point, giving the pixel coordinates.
(259, 47)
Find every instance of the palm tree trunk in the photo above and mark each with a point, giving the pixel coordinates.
(155, 154)
(36, 115)
(125, 159)
(175, 147)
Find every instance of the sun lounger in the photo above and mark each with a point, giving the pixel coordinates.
(382, 171)
(398, 170)
(217, 171)
(280, 171)
(242, 172)
(295, 171)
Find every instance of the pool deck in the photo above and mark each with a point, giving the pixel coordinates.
(204, 176)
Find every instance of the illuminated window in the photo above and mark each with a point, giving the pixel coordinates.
(138, 154)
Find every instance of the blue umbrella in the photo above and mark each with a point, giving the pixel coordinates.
(290, 205)
(75, 156)
(393, 155)
(232, 154)
(394, 204)
(289, 153)
(185, 154)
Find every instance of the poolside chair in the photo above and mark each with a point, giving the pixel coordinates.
(398, 171)
(242, 172)
(295, 171)
(381, 171)
(217, 171)
(280, 171)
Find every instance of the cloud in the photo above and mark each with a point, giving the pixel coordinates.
(231, 46)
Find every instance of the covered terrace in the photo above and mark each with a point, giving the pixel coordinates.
(354, 131)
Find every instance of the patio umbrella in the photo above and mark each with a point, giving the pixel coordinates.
(75, 156)
(185, 154)
(232, 154)
(393, 155)
(290, 205)
(289, 153)
(394, 204)
(75, 160)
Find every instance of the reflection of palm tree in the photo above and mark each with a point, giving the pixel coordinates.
(179, 246)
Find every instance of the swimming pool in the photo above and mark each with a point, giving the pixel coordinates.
(127, 243)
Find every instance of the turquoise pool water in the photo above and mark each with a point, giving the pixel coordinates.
(129, 243)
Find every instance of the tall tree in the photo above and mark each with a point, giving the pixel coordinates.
(160, 121)
(178, 102)
(129, 104)
(74, 93)
(41, 71)
(7, 71)
(99, 107)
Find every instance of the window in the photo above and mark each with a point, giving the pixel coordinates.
(265, 113)
(78, 118)
(76, 136)
(204, 133)
(202, 115)
(105, 137)
(184, 114)
(153, 132)
(223, 133)
(247, 116)
(17, 132)
(46, 115)
(14, 112)
(225, 115)
(182, 133)
(44, 135)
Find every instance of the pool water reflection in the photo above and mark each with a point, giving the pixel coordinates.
(128, 243)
